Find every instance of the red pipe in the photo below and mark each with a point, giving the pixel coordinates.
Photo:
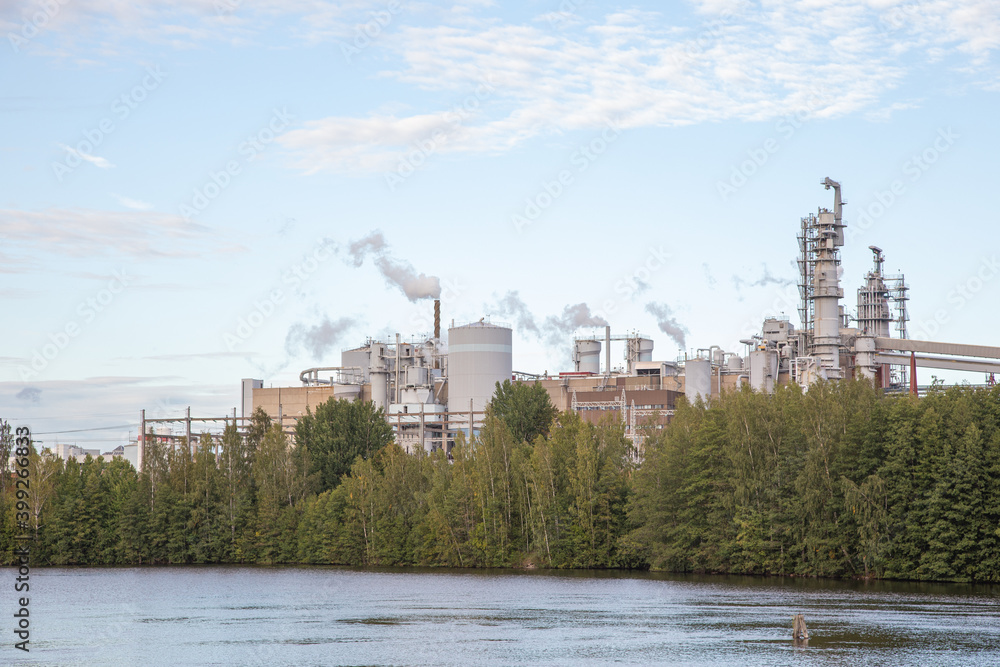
(913, 373)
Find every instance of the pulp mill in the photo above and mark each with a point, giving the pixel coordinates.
(432, 388)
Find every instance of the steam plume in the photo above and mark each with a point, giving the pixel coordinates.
(511, 306)
(667, 322)
(398, 273)
(317, 339)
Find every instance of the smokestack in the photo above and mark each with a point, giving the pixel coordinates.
(607, 350)
(437, 319)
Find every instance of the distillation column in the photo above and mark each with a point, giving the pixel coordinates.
(873, 320)
(827, 291)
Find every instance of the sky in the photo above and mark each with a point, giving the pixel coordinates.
(199, 191)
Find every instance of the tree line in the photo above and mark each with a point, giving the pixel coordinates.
(836, 481)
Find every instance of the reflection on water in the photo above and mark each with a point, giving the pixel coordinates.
(335, 616)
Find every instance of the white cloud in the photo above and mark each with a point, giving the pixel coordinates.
(92, 159)
(736, 61)
(104, 27)
(885, 113)
(725, 60)
(86, 232)
(628, 69)
(133, 204)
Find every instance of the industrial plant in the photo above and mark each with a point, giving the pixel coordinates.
(433, 388)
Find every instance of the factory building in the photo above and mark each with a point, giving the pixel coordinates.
(431, 388)
(428, 391)
(827, 346)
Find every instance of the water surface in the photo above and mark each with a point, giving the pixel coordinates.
(336, 616)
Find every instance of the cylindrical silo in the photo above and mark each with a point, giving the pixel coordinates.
(380, 388)
(479, 356)
(587, 356)
(645, 349)
(698, 379)
(763, 370)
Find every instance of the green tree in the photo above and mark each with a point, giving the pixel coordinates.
(524, 408)
(237, 486)
(599, 490)
(329, 440)
(280, 486)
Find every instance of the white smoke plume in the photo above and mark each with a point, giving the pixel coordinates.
(766, 279)
(373, 243)
(398, 273)
(667, 322)
(555, 329)
(317, 339)
(511, 306)
(572, 318)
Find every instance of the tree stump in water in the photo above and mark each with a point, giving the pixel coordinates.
(799, 627)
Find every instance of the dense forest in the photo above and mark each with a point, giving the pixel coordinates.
(838, 481)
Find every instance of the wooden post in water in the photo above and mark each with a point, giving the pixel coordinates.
(799, 631)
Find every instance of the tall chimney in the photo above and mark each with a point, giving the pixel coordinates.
(607, 350)
(437, 319)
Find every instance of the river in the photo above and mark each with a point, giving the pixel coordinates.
(336, 616)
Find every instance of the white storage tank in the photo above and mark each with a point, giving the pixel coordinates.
(697, 379)
(380, 388)
(645, 349)
(479, 356)
(763, 367)
(587, 356)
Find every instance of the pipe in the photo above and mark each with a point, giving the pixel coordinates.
(314, 373)
(437, 319)
(396, 378)
(913, 373)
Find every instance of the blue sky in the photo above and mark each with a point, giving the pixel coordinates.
(205, 190)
